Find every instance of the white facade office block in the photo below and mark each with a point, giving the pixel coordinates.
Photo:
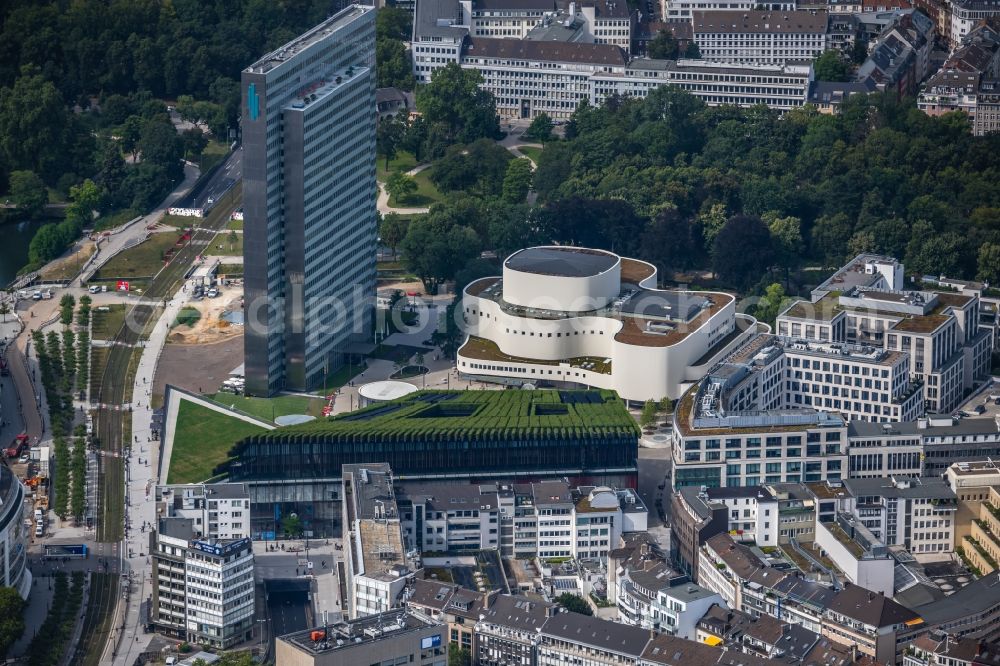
(683, 10)
(868, 566)
(759, 37)
(217, 510)
(377, 566)
(916, 513)
(546, 519)
(203, 589)
(940, 332)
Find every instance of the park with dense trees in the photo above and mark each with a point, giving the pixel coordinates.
(82, 88)
(747, 197)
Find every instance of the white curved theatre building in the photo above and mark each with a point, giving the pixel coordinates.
(568, 316)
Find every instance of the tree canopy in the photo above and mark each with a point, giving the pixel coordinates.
(663, 46)
(12, 622)
(454, 101)
(574, 604)
(881, 175)
(831, 66)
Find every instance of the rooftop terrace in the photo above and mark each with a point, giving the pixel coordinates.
(346, 635)
(487, 350)
(649, 317)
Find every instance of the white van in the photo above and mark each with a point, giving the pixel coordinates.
(39, 530)
(38, 515)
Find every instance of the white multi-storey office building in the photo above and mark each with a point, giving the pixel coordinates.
(916, 513)
(530, 77)
(965, 15)
(217, 510)
(683, 10)
(861, 383)
(543, 519)
(782, 87)
(308, 127)
(759, 37)
(203, 589)
(865, 303)
(504, 18)
(374, 553)
(717, 448)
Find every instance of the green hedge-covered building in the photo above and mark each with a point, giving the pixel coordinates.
(587, 436)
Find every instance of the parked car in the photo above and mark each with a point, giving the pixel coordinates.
(39, 530)
(37, 296)
(94, 289)
(980, 409)
(24, 459)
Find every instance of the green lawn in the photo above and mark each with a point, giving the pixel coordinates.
(531, 152)
(214, 153)
(427, 192)
(235, 224)
(106, 320)
(268, 409)
(112, 220)
(202, 440)
(402, 162)
(143, 260)
(221, 247)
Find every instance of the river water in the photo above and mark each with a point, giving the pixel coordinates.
(14, 240)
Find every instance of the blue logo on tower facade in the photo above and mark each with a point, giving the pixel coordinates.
(253, 101)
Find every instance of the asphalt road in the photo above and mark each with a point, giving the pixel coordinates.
(221, 182)
(654, 487)
(287, 607)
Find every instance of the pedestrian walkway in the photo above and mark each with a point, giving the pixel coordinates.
(383, 197)
(140, 478)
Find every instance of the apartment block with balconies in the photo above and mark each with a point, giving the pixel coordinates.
(982, 546)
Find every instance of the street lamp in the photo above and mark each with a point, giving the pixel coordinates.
(261, 632)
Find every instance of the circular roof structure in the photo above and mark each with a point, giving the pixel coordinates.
(293, 419)
(386, 390)
(562, 261)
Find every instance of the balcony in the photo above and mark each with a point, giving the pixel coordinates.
(975, 551)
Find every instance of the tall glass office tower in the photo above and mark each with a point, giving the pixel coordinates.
(308, 125)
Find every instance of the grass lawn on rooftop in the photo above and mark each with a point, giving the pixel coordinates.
(202, 440)
(268, 409)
